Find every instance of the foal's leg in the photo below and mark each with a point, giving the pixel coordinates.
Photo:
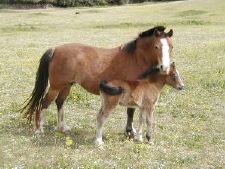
(101, 119)
(61, 126)
(130, 130)
(142, 116)
(39, 115)
(150, 123)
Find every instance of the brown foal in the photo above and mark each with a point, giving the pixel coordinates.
(142, 94)
(74, 63)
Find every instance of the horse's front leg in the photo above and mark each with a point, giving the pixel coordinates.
(130, 130)
(142, 116)
(150, 125)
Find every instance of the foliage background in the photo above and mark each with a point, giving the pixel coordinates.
(72, 3)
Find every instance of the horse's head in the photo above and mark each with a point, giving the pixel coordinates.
(155, 46)
(173, 78)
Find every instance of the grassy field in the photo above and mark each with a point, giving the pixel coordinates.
(190, 125)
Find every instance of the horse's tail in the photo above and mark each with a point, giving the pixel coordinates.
(34, 101)
(110, 90)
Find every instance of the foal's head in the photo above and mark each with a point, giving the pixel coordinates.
(156, 45)
(173, 78)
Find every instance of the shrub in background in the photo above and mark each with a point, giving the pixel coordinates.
(72, 3)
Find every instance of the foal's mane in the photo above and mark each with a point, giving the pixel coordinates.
(153, 70)
(130, 47)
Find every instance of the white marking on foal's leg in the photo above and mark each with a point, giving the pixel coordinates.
(98, 140)
(165, 55)
(100, 122)
(140, 128)
(101, 119)
(61, 123)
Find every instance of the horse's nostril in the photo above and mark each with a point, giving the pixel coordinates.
(161, 67)
(180, 87)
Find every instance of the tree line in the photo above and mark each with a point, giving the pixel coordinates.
(73, 3)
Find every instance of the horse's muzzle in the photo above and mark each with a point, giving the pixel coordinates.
(181, 87)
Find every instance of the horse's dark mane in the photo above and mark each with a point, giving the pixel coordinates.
(151, 31)
(130, 47)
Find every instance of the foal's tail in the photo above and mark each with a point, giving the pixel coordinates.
(110, 90)
(34, 101)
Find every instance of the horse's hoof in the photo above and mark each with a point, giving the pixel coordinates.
(99, 142)
(150, 142)
(131, 133)
(39, 131)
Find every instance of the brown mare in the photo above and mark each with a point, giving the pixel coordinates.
(75, 63)
(142, 94)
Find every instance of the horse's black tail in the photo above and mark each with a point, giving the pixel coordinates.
(110, 90)
(34, 101)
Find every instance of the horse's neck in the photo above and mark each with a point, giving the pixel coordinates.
(131, 63)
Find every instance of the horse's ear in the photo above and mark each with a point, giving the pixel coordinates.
(170, 33)
(157, 33)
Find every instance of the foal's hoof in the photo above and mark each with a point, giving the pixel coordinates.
(139, 139)
(64, 129)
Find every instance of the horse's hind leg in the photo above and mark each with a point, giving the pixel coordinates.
(61, 126)
(39, 116)
(130, 130)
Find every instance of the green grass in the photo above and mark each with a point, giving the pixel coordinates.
(189, 131)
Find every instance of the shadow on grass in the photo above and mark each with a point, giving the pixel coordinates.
(77, 137)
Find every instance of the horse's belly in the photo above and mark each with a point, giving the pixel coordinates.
(91, 86)
(129, 105)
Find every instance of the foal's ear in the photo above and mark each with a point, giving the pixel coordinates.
(173, 65)
(170, 33)
(157, 33)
